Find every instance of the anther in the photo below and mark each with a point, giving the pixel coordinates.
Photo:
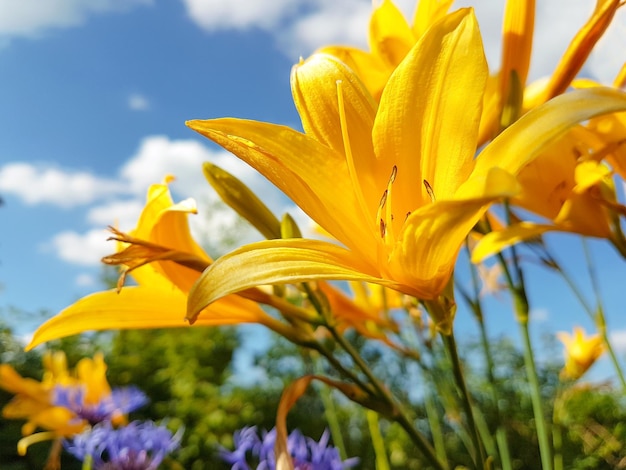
(383, 199)
(429, 190)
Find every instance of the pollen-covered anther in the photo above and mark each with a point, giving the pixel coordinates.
(383, 228)
(383, 200)
(429, 190)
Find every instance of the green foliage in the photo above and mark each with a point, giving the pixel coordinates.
(188, 375)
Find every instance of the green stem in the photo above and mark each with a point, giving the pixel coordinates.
(331, 416)
(520, 302)
(599, 317)
(557, 430)
(435, 427)
(399, 415)
(377, 441)
(535, 395)
(340, 368)
(476, 306)
(479, 450)
(503, 448)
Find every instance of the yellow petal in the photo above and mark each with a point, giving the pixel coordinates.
(495, 242)
(330, 118)
(279, 262)
(314, 89)
(371, 69)
(519, 21)
(14, 383)
(390, 36)
(579, 49)
(241, 198)
(525, 139)
(164, 223)
(432, 236)
(312, 175)
(427, 13)
(138, 308)
(434, 94)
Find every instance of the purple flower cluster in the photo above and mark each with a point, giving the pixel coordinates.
(120, 402)
(136, 446)
(307, 454)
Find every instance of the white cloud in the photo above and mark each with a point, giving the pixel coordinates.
(301, 26)
(331, 22)
(158, 156)
(119, 200)
(137, 102)
(84, 249)
(122, 214)
(239, 14)
(85, 280)
(618, 340)
(32, 17)
(539, 315)
(37, 184)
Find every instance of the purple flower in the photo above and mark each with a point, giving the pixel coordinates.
(119, 402)
(307, 454)
(136, 446)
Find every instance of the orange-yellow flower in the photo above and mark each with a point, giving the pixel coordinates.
(569, 189)
(390, 40)
(33, 400)
(396, 184)
(158, 265)
(581, 352)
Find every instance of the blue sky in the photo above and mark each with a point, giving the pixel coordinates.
(94, 98)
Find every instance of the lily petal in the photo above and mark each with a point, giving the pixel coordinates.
(435, 93)
(525, 139)
(432, 236)
(316, 178)
(495, 242)
(279, 262)
(138, 308)
(580, 48)
(390, 36)
(428, 12)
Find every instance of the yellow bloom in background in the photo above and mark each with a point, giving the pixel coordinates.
(33, 400)
(157, 264)
(569, 188)
(508, 95)
(581, 352)
(390, 40)
(396, 184)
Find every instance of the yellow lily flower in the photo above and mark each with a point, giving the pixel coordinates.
(390, 40)
(33, 400)
(158, 266)
(577, 52)
(569, 188)
(508, 95)
(581, 352)
(397, 185)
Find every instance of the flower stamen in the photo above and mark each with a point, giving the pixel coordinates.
(348, 152)
(429, 190)
(386, 222)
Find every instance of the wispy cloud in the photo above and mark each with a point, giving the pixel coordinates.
(119, 200)
(301, 26)
(138, 102)
(45, 184)
(618, 340)
(84, 249)
(32, 18)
